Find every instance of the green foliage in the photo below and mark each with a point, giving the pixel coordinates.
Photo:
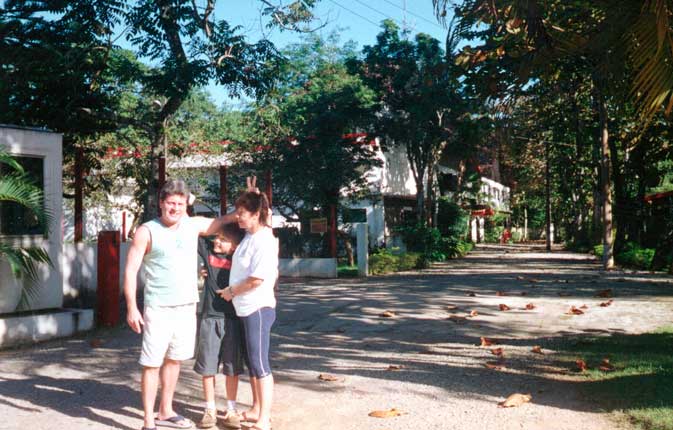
(16, 187)
(641, 382)
(632, 255)
(430, 243)
(384, 261)
(451, 219)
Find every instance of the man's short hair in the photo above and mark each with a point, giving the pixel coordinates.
(174, 187)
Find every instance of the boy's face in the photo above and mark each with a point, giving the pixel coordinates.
(222, 245)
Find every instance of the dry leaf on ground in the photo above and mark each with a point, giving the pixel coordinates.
(581, 365)
(503, 307)
(328, 378)
(451, 307)
(386, 414)
(574, 311)
(584, 307)
(395, 367)
(497, 351)
(514, 400)
(523, 293)
(520, 278)
(606, 304)
(488, 342)
(537, 349)
(500, 293)
(471, 294)
(387, 314)
(474, 313)
(96, 343)
(529, 307)
(605, 366)
(494, 365)
(562, 294)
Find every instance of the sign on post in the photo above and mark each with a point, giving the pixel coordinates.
(319, 225)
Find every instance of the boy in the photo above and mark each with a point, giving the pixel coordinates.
(220, 335)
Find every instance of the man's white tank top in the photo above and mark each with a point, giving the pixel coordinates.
(171, 264)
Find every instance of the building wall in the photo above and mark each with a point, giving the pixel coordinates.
(46, 145)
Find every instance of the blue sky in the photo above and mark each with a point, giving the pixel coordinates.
(359, 20)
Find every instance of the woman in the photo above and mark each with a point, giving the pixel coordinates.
(253, 276)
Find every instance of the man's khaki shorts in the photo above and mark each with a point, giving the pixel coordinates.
(169, 332)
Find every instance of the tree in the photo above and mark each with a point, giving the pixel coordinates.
(16, 188)
(419, 99)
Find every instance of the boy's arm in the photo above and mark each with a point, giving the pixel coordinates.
(134, 259)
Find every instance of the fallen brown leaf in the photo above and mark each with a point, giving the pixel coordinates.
(500, 293)
(574, 311)
(395, 367)
(581, 365)
(604, 293)
(537, 349)
(584, 307)
(529, 307)
(503, 307)
(471, 294)
(341, 330)
(328, 378)
(514, 400)
(96, 343)
(451, 307)
(606, 366)
(386, 414)
(533, 280)
(523, 293)
(520, 278)
(494, 365)
(497, 351)
(606, 304)
(561, 294)
(488, 342)
(474, 313)
(387, 314)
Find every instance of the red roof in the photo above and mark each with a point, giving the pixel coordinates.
(657, 196)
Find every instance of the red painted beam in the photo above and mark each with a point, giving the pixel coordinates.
(79, 194)
(223, 190)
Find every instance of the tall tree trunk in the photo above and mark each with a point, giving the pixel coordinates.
(605, 186)
(620, 216)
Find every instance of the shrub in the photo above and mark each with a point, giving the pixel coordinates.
(631, 256)
(384, 261)
(451, 219)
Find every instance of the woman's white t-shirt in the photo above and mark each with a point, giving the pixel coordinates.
(256, 256)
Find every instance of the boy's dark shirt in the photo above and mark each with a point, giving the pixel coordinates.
(218, 267)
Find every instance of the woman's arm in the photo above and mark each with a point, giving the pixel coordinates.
(248, 284)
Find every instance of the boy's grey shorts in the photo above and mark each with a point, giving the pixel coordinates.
(220, 340)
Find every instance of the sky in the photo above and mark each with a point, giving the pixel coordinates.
(356, 20)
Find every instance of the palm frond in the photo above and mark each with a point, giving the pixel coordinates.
(15, 188)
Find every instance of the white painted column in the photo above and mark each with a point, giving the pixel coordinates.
(362, 249)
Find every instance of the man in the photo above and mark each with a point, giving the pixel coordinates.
(167, 247)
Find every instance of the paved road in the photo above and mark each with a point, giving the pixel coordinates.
(334, 327)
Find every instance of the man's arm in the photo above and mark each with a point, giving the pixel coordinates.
(209, 226)
(134, 259)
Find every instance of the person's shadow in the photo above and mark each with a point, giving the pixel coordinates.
(78, 398)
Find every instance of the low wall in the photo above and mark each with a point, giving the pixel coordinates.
(16, 330)
(309, 267)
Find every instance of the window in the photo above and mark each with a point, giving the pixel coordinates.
(354, 215)
(14, 218)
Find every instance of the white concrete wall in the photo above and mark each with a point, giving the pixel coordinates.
(308, 267)
(496, 194)
(375, 218)
(46, 145)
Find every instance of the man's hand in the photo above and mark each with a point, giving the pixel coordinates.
(135, 320)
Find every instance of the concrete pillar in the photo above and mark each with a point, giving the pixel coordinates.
(362, 238)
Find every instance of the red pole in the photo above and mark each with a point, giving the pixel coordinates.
(269, 190)
(123, 226)
(223, 190)
(332, 231)
(107, 289)
(79, 185)
(162, 180)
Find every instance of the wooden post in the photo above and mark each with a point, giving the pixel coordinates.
(268, 190)
(332, 231)
(79, 194)
(223, 190)
(547, 188)
(107, 289)
(123, 226)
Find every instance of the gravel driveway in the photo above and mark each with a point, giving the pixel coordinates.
(334, 327)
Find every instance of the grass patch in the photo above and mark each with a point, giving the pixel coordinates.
(641, 387)
(345, 271)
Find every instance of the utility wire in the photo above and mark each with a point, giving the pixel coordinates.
(413, 14)
(375, 10)
(355, 13)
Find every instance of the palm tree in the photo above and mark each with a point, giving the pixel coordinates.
(23, 261)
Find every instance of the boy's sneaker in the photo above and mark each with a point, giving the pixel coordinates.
(208, 420)
(231, 420)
